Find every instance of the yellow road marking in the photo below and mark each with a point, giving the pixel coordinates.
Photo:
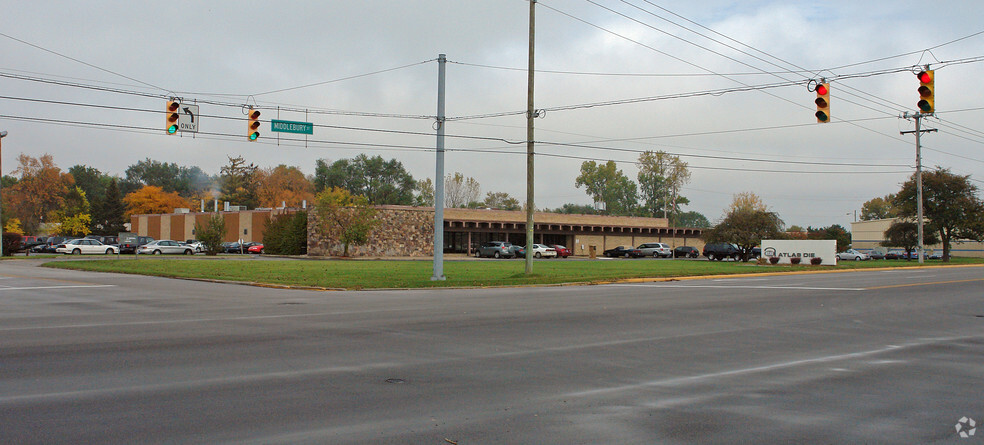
(923, 284)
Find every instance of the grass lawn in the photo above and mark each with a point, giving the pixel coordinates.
(368, 274)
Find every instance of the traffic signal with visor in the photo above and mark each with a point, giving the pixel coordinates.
(171, 121)
(253, 125)
(823, 103)
(927, 91)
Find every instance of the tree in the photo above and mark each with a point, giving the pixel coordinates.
(692, 219)
(74, 218)
(579, 209)
(283, 184)
(459, 191)
(905, 234)
(286, 234)
(40, 190)
(189, 182)
(239, 183)
(661, 176)
(878, 208)
(345, 217)
(380, 181)
(211, 233)
(950, 203)
(110, 217)
(746, 229)
(151, 200)
(424, 193)
(834, 232)
(501, 200)
(747, 201)
(607, 184)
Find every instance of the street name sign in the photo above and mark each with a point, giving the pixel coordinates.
(291, 127)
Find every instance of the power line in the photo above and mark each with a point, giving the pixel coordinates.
(82, 62)
(346, 78)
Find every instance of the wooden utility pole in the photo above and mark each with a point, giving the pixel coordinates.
(530, 115)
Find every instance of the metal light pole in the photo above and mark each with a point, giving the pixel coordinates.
(3, 134)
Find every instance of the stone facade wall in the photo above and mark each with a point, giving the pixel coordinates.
(402, 231)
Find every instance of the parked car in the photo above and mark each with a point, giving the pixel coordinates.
(720, 251)
(111, 240)
(30, 241)
(518, 251)
(85, 246)
(653, 249)
(686, 252)
(132, 247)
(895, 254)
(562, 252)
(195, 244)
(934, 255)
(543, 251)
(50, 244)
(618, 251)
(255, 248)
(494, 249)
(235, 247)
(876, 254)
(165, 246)
(851, 254)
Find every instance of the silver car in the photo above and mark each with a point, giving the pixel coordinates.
(166, 246)
(653, 249)
(851, 254)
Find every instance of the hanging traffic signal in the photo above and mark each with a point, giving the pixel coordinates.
(171, 121)
(927, 91)
(253, 126)
(823, 103)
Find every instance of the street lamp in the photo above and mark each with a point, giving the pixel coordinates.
(3, 134)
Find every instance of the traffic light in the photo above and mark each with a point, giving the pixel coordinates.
(253, 126)
(171, 122)
(927, 91)
(823, 103)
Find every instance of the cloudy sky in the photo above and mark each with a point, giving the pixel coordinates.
(727, 90)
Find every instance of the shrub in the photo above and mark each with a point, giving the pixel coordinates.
(795, 260)
(211, 234)
(761, 261)
(11, 243)
(774, 260)
(286, 234)
(816, 261)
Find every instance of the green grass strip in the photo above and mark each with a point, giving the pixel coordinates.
(385, 274)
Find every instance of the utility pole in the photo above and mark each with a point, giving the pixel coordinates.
(919, 188)
(439, 176)
(530, 115)
(3, 134)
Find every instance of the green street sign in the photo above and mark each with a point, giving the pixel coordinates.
(291, 127)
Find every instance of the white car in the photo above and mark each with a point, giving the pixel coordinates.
(540, 250)
(165, 246)
(197, 245)
(85, 246)
(851, 254)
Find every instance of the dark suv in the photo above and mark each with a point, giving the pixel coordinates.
(720, 251)
(132, 247)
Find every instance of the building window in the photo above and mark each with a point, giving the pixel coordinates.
(245, 231)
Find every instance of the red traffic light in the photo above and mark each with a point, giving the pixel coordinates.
(924, 77)
(822, 89)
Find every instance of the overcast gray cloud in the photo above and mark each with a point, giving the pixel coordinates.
(233, 52)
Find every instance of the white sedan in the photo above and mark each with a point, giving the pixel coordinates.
(165, 246)
(540, 250)
(85, 246)
(851, 254)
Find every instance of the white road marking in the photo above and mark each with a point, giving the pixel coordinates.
(58, 287)
(684, 380)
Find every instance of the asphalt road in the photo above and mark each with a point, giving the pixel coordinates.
(859, 357)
